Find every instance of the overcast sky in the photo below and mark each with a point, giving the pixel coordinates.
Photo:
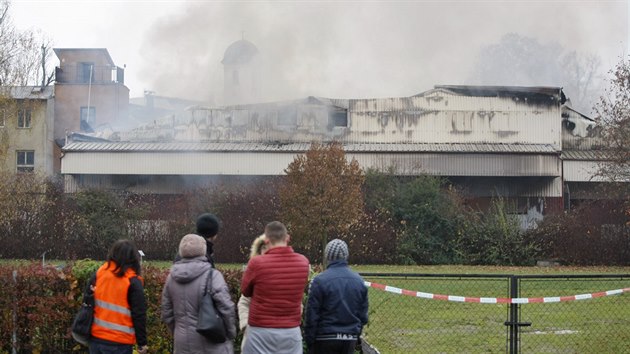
(344, 49)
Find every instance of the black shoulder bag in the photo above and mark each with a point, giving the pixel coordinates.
(82, 324)
(209, 322)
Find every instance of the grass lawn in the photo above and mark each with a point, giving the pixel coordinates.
(402, 324)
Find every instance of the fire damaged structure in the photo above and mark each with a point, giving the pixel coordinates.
(525, 144)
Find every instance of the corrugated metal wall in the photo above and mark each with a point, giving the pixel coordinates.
(442, 117)
(183, 163)
(463, 164)
(581, 171)
(265, 163)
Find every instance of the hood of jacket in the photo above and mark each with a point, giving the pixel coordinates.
(189, 269)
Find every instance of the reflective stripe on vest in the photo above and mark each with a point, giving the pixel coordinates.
(112, 314)
(113, 307)
(115, 327)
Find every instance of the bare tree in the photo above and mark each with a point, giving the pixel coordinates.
(614, 114)
(524, 61)
(24, 55)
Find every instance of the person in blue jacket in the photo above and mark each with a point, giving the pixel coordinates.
(337, 307)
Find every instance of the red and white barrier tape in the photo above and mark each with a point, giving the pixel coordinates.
(494, 300)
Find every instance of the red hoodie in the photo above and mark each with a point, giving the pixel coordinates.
(276, 282)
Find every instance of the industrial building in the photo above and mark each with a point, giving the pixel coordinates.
(523, 143)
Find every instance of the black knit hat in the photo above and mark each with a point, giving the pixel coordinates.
(336, 250)
(208, 225)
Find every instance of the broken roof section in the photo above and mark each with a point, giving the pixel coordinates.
(547, 95)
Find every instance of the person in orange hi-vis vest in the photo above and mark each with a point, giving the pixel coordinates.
(119, 303)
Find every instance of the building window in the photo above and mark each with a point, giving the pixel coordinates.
(24, 117)
(86, 72)
(25, 161)
(338, 118)
(88, 115)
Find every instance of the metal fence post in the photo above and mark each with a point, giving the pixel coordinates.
(514, 322)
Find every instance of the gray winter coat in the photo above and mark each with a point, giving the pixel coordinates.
(180, 305)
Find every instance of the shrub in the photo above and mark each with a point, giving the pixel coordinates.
(494, 238)
(45, 301)
(426, 213)
(321, 197)
(595, 233)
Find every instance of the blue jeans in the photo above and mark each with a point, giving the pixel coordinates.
(102, 348)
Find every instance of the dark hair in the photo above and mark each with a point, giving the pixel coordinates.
(208, 225)
(275, 231)
(125, 255)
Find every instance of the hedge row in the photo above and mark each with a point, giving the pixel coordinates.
(38, 304)
(420, 220)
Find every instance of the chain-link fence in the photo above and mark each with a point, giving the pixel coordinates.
(446, 313)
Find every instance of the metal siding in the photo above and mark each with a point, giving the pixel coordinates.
(462, 164)
(441, 118)
(274, 163)
(490, 187)
(581, 171)
(165, 163)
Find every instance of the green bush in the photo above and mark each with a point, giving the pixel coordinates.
(46, 299)
(426, 212)
(84, 268)
(495, 238)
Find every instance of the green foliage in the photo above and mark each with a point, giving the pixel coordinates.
(426, 212)
(495, 238)
(430, 219)
(106, 216)
(83, 269)
(381, 189)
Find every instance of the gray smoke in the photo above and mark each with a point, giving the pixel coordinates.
(363, 49)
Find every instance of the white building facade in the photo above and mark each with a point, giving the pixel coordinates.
(488, 140)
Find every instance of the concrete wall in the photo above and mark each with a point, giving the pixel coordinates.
(37, 138)
(111, 103)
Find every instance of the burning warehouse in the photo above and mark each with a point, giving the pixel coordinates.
(523, 143)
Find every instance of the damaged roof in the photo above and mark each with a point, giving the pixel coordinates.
(533, 94)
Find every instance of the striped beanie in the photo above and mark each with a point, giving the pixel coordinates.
(336, 250)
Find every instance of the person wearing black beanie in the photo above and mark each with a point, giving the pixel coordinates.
(208, 226)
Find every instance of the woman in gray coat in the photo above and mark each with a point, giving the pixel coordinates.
(181, 296)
